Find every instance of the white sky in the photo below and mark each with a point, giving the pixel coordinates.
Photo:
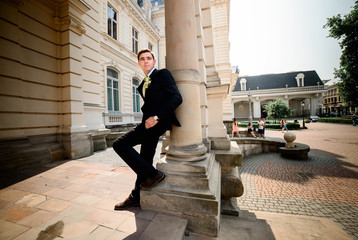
(277, 36)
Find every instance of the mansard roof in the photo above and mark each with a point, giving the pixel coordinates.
(272, 81)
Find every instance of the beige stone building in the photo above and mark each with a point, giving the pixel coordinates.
(333, 103)
(69, 72)
(69, 75)
(302, 91)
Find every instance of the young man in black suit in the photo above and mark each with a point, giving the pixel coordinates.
(161, 97)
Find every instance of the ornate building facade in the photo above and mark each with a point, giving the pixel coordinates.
(69, 72)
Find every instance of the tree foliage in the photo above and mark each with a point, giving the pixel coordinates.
(345, 29)
(277, 109)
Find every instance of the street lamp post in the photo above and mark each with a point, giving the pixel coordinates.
(303, 114)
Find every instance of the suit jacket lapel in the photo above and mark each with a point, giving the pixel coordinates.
(140, 88)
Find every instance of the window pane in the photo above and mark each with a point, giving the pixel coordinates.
(115, 84)
(115, 31)
(114, 15)
(112, 73)
(138, 103)
(109, 99)
(109, 27)
(116, 100)
(109, 11)
(135, 82)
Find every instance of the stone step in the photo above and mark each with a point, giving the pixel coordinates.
(240, 228)
(269, 225)
(165, 227)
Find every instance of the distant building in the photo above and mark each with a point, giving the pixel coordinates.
(333, 104)
(302, 91)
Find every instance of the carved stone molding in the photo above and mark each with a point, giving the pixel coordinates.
(70, 22)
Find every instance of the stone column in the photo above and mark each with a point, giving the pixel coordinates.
(257, 107)
(182, 61)
(74, 133)
(192, 185)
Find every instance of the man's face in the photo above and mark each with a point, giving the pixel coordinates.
(146, 62)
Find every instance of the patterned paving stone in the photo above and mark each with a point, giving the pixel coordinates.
(319, 187)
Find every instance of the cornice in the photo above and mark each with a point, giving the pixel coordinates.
(139, 15)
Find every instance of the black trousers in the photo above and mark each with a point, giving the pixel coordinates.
(141, 163)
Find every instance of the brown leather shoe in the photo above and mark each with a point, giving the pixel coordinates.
(128, 203)
(151, 182)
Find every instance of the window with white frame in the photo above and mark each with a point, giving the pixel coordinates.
(300, 80)
(134, 41)
(112, 90)
(111, 22)
(243, 84)
(136, 98)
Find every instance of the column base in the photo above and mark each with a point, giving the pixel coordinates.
(190, 153)
(190, 190)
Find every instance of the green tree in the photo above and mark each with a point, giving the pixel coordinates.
(345, 30)
(277, 109)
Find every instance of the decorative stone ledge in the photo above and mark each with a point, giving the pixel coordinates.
(250, 146)
(299, 152)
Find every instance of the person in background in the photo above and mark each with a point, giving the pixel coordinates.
(282, 125)
(263, 130)
(260, 125)
(235, 128)
(249, 129)
(354, 120)
(285, 126)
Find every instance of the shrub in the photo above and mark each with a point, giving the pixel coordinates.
(272, 125)
(336, 120)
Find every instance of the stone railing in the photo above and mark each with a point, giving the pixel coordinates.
(280, 90)
(111, 119)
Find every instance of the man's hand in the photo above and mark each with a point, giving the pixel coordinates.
(150, 122)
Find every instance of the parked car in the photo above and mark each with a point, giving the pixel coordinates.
(333, 114)
(314, 118)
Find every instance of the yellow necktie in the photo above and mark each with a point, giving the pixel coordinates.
(145, 85)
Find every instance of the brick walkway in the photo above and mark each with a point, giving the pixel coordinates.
(326, 185)
(75, 199)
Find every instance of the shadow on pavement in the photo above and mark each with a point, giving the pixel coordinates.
(247, 226)
(8, 179)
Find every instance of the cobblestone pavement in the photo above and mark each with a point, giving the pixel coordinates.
(325, 185)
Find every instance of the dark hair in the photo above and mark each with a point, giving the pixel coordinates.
(234, 119)
(144, 51)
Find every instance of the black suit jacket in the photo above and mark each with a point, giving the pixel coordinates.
(162, 97)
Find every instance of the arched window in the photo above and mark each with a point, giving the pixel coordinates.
(136, 97)
(112, 90)
(243, 84)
